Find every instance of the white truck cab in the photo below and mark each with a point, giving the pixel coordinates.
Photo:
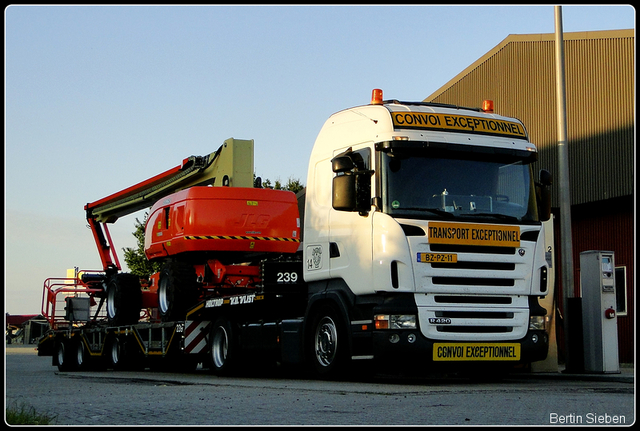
(426, 221)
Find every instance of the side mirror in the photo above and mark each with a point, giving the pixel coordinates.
(544, 194)
(351, 186)
(344, 192)
(342, 164)
(546, 179)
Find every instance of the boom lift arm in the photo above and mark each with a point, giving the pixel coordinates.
(229, 165)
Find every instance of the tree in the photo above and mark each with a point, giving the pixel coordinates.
(293, 185)
(135, 258)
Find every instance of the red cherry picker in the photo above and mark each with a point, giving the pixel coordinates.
(228, 255)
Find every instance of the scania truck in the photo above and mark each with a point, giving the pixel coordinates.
(420, 237)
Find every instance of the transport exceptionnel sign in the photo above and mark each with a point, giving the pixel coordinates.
(458, 123)
(474, 234)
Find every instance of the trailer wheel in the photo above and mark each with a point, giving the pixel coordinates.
(113, 353)
(60, 358)
(81, 355)
(66, 357)
(177, 290)
(83, 358)
(327, 347)
(222, 354)
(121, 356)
(124, 299)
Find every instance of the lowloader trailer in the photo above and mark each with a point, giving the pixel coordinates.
(419, 238)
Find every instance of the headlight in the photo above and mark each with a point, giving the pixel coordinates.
(538, 323)
(395, 321)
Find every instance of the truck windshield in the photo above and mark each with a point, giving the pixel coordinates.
(429, 183)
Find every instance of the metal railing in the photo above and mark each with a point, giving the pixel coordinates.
(57, 291)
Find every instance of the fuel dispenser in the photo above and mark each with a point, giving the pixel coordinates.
(599, 321)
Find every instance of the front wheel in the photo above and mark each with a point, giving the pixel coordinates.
(328, 346)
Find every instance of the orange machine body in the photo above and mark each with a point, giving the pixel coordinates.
(229, 219)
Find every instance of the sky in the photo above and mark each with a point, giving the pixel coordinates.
(98, 98)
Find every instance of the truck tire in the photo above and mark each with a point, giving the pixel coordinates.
(120, 355)
(327, 347)
(66, 357)
(82, 357)
(177, 291)
(223, 347)
(124, 299)
(114, 353)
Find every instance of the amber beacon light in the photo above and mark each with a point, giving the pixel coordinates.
(376, 96)
(487, 106)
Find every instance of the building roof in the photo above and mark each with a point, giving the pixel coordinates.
(541, 37)
(19, 319)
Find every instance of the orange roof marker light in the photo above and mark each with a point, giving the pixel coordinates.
(487, 106)
(376, 96)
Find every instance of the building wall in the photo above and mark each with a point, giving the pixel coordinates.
(519, 76)
(595, 226)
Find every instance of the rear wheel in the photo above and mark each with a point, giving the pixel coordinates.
(124, 299)
(223, 348)
(177, 290)
(122, 354)
(114, 355)
(66, 355)
(82, 355)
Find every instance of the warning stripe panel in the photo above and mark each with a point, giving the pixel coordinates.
(251, 238)
(195, 336)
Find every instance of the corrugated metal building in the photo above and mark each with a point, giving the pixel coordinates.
(519, 76)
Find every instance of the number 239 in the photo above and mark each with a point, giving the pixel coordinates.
(287, 277)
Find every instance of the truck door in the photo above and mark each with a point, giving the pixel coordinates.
(350, 232)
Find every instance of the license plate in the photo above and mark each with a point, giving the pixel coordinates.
(437, 257)
(476, 352)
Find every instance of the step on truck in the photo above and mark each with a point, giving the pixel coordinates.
(419, 238)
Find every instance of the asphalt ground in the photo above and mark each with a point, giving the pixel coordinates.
(626, 372)
(199, 398)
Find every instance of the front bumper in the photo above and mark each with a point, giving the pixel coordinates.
(410, 346)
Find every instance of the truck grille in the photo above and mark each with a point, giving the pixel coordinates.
(482, 296)
(473, 299)
(473, 317)
(468, 281)
(446, 248)
(478, 269)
